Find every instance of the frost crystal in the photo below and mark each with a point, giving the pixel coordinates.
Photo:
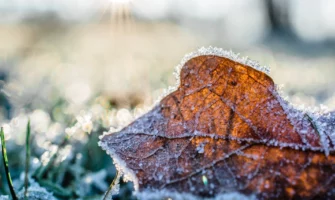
(215, 51)
(97, 179)
(218, 52)
(121, 166)
(36, 193)
(201, 148)
(168, 195)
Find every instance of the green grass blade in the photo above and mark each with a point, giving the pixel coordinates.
(26, 181)
(108, 194)
(5, 162)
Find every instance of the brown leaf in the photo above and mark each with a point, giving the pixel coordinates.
(227, 129)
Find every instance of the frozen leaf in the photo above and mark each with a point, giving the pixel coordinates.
(226, 129)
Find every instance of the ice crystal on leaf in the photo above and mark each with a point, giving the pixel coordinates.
(167, 195)
(226, 121)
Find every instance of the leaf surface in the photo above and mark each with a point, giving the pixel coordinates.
(226, 129)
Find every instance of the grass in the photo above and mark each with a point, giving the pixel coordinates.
(62, 179)
(109, 192)
(5, 162)
(26, 181)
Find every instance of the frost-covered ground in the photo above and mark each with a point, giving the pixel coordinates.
(76, 81)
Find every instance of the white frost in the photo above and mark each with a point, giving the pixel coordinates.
(121, 166)
(37, 192)
(215, 51)
(168, 195)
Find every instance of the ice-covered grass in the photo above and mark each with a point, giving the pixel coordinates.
(63, 162)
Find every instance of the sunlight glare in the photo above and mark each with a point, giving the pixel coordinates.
(119, 1)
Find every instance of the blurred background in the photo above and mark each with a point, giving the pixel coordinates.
(64, 64)
(127, 49)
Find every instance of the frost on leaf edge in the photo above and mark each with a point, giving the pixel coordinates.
(167, 194)
(208, 51)
(215, 51)
(120, 165)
